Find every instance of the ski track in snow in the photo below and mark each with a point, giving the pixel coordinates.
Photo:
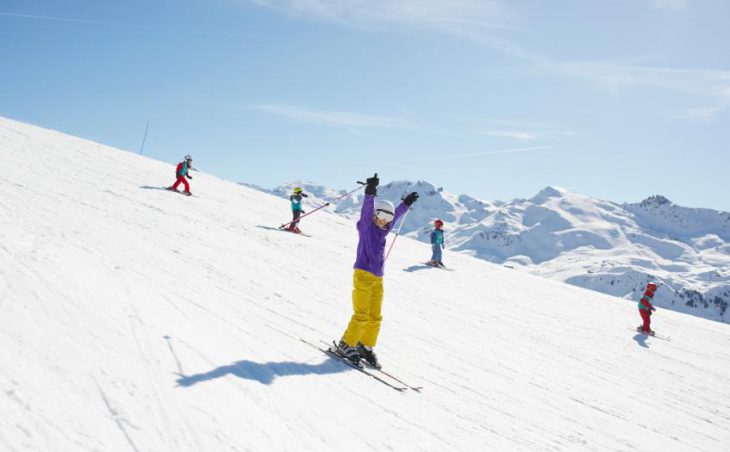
(134, 319)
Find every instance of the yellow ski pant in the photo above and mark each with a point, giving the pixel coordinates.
(367, 299)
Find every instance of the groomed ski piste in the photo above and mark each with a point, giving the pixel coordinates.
(133, 319)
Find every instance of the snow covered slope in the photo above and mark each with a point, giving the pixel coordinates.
(612, 248)
(135, 319)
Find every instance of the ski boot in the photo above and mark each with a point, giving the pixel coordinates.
(348, 353)
(187, 193)
(640, 329)
(368, 355)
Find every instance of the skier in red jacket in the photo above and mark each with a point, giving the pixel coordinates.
(646, 308)
(181, 173)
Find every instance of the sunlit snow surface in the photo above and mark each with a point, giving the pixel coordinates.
(136, 319)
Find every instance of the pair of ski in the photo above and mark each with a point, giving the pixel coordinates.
(380, 375)
(438, 266)
(178, 192)
(271, 228)
(293, 232)
(658, 336)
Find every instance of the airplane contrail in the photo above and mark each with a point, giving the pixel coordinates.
(129, 25)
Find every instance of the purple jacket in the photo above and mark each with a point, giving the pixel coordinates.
(371, 246)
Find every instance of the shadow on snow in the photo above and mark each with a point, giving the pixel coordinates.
(150, 187)
(270, 228)
(641, 340)
(265, 373)
(415, 268)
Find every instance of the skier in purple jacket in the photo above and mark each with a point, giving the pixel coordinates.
(377, 218)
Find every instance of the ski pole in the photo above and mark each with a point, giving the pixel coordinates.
(397, 233)
(305, 215)
(323, 206)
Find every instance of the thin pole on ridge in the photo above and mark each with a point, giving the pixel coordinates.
(362, 184)
(146, 129)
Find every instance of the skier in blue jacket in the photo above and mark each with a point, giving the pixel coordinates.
(437, 244)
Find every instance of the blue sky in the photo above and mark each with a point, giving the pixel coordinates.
(617, 99)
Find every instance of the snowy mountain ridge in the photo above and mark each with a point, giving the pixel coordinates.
(600, 245)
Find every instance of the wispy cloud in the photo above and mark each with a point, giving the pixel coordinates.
(528, 124)
(524, 131)
(714, 84)
(519, 135)
(669, 5)
(342, 119)
(702, 113)
(131, 25)
(480, 20)
(486, 21)
(504, 151)
(433, 13)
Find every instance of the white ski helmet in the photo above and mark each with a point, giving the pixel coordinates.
(187, 157)
(384, 209)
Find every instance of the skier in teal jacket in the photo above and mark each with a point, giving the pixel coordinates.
(296, 209)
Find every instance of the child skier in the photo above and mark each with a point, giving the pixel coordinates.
(377, 218)
(646, 308)
(181, 173)
(296, 209)
(437, 243)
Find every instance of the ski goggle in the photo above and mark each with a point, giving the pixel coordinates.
(384, 215)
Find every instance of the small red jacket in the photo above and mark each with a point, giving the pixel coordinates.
(645, 302)
(182, 169)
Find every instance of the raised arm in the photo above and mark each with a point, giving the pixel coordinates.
(403, 207)
(368, 208)
(399, 212)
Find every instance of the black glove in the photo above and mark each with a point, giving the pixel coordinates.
(371, 186)
(190, 177)
(653, 309)
(410, 199)
(305, 195)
